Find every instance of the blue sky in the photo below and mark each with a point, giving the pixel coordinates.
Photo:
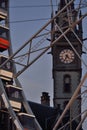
(37, 78)
(24, 15)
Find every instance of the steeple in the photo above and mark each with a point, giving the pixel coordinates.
(64, 2)
(80, 26)
(66, 64)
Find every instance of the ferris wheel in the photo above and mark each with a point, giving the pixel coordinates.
(12, 98)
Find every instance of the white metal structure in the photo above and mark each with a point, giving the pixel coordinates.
(12, 98)
(33, 48)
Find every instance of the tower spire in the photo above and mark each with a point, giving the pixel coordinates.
(62, 3)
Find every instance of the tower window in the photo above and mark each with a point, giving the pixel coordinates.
(67, 83)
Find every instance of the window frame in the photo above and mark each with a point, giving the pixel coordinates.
(67, 83)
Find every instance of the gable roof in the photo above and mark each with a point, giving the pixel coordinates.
(45, 115)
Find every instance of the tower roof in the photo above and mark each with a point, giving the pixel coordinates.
(63, 3)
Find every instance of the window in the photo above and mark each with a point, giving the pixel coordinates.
(67, 83)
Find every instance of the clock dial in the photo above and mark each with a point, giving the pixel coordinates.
(66, 56)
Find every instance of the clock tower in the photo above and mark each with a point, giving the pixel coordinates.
(66, 58)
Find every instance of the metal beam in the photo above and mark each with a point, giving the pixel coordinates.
(29, 41)
(70, 102)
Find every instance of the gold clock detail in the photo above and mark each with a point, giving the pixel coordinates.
(67, 56)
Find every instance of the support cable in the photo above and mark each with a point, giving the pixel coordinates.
(84, 117)
(61, 128)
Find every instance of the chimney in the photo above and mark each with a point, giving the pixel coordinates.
(45, 99)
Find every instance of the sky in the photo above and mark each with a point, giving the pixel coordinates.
(24, 23)
(25, 20)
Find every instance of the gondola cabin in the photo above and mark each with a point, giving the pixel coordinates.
(4, 44)
(3, 10)
(14, 95)
(4, 41)
(27, 121)
(3, 14)
(3, 4)
(4, 30)
(6, 70)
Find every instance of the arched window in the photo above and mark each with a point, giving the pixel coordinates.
(67, 83)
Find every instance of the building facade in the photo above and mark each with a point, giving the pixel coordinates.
(66, 58)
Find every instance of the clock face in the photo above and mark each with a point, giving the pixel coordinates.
(66, 56)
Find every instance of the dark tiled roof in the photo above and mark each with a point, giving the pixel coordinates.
(45, 115)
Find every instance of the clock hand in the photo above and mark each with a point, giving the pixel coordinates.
(66, 56)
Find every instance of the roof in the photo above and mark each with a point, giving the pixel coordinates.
(44, 114)
(47, 116)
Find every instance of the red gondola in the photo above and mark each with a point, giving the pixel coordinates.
(4, 41)
(4, 44)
